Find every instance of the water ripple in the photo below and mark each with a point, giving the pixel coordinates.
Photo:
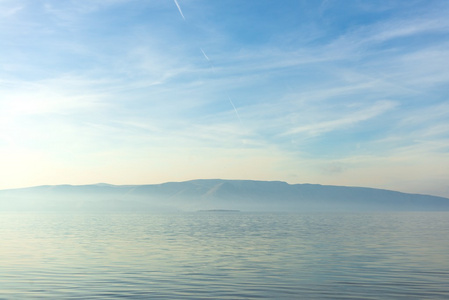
(224, 256)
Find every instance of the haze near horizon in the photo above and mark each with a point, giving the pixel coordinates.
(347, 93)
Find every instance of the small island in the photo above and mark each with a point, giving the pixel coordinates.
(219, 210)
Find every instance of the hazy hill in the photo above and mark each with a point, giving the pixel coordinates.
(195, 195)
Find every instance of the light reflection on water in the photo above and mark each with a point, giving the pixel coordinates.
(225, 256)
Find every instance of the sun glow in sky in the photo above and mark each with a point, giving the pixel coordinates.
(132, 92)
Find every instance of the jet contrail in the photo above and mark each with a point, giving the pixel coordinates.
(179, 8)
(208, 59)
(205, 56)
(235, 109)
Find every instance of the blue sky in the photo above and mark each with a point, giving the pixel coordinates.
(132, 92)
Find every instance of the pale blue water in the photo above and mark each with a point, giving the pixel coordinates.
(225, 256)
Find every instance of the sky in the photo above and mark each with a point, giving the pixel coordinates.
(136, 92)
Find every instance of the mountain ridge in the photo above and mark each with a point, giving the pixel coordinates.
(210, 194)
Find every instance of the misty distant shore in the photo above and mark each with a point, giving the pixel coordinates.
(215, 195)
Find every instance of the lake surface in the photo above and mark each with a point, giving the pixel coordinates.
(211, 255)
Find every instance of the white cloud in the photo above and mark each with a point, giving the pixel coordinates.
(11, 11)
(406, 28)
(348, 119)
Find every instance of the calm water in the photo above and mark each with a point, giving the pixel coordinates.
(225, 256)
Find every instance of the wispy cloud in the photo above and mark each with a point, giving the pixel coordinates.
(11, 11)
(346, 120)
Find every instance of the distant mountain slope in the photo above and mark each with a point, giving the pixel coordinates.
(209, 194)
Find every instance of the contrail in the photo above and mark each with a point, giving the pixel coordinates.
(180, 11)
(235, 109)
(213, 69)
(204, 54)
(208, 59)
